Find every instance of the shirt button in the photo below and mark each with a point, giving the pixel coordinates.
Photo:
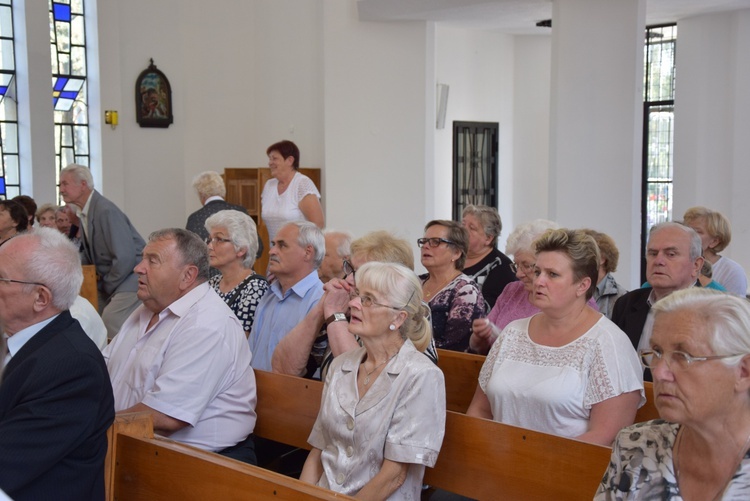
(340, 478)
(350, 424)
(349, 451)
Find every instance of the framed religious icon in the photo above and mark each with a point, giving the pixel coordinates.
(153, 98)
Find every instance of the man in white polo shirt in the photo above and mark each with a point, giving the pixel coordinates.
(182, 355)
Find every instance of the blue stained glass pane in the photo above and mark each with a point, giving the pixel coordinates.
(2, 186)
(59, 83)
(3, 90)
(61, 12)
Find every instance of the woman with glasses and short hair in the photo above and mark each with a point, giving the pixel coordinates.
(232, 245)
(568, 370)
(382, 414)
(454, 298)
(699, 356)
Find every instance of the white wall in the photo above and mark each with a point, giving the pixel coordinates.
(375, 108)
(531, 116)
(478, 67)
(712, 120)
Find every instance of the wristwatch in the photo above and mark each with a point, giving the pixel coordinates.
(336, 317)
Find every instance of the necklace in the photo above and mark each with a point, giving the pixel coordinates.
(428, 295)
(719, 495)
(367, 377)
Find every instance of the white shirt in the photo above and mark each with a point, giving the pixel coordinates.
(90, 320)
(192, 365)
(278, 210)
(731, 275)
(552, 389)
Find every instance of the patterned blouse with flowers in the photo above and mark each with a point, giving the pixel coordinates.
(453, 310)
(642, 467)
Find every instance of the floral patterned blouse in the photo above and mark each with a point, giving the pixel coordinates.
(641, 467)
(453, 310)
(245, 301)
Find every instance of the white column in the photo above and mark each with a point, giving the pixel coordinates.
(596, 121)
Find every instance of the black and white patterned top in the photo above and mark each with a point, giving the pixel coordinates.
(244, 304)
(642, 467)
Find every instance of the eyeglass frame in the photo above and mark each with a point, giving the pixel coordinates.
(422, 241)
(687, 357)
(525, 268)
(213, 240)
(355, 294)
(10, 280)
(347, 265)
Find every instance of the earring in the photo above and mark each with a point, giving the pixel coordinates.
(392, 327)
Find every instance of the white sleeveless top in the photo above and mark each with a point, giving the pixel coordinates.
(279, 210)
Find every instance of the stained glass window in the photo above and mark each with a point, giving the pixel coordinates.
(69, 84)
(10, 178)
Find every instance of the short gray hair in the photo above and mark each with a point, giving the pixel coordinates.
(696, 247)
(727, 318)
(344, 248)
(309, 234)
(79, 173)
(54, 261)
(521, 239)
(209, 184)
(488, 217)
(192, 249)
(242, 231)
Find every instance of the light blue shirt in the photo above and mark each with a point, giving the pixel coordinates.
(278, 314)
(20, 338)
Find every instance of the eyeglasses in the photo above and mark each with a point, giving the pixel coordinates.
(10, 280)
(349, 269)
(367, 301)
(215, 240)
(523, 266)
(679, 359)
(434, 242)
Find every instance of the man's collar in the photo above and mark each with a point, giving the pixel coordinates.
(85, 209)
(20, 338)
(215, 198)
(301, 287)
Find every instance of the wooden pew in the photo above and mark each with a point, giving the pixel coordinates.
(479, 458)
(461, 371)
(88, 288)
(142, 467)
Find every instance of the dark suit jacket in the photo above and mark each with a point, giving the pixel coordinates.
(113, 245)
(197, 220)
(56, 404)
(630, 313)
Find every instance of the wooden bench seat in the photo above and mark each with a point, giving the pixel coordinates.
(142, 467)
(479, 458)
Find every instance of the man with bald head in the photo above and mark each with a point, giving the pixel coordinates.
(338, 248)
(673, 262)
(55, 397)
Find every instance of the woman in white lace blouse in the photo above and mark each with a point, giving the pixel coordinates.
(568, 370)
(699, 356)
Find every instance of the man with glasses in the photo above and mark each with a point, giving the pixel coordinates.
(56, 399)
(673, 262)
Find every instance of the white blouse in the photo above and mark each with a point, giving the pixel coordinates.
(279, 210)
(551, 389)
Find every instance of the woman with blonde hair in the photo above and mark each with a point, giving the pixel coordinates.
(567, 370)
(393, 411)
(716, 233)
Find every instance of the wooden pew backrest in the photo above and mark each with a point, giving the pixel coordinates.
(88, 288)
(648, 411)
(461, 371)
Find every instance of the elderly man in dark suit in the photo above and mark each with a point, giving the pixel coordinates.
(211, 191)
(673, 262)
(56, 399)
(110, 242)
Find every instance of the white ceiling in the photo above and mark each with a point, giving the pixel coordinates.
(520, 16)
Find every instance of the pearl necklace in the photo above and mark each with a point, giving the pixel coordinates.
(367, 377)
(719, 495)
